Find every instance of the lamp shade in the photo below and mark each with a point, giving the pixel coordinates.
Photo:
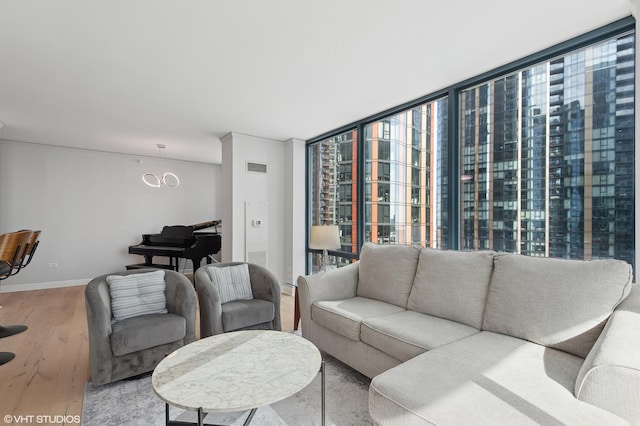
(324, 237)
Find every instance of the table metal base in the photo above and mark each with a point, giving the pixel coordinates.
(201, 416)
(252, 412)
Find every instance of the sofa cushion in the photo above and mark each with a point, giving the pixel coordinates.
(146, 331)
(407, 334)
(484, 379)
(246, 313)
(386, 272)
(452, 284)
(345, 316)
(558, 303)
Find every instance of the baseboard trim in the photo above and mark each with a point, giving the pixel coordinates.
(288, 288)
(10, 288)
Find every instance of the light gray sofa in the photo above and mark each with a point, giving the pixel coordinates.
(462, 338)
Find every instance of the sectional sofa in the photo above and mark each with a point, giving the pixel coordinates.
(463, 338)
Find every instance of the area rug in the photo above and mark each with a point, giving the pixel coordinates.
(133, 402)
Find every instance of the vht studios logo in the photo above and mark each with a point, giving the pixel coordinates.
(40, 419)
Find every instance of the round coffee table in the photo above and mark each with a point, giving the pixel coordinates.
(237, 371)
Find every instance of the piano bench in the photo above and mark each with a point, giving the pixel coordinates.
(153, 265)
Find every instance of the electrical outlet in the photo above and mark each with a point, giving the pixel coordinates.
(53, 265)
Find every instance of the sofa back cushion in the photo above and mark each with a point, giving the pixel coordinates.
(452, 285)
(386, 272)
(562, 304)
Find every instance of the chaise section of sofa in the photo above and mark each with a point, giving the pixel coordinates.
(482, 337)
(610, 375)
(486, 379)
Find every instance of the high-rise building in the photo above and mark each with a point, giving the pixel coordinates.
(547, 157)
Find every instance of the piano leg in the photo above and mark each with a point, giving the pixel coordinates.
(196, 264)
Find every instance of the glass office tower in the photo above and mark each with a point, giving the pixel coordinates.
(547, 157)
(536, 160)
(333, 190)
(404, 189)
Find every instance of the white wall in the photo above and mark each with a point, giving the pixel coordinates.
(92, 205)
(226, 195)
(280, 188)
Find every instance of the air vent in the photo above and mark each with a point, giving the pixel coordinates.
(256, 167)
(258, 257)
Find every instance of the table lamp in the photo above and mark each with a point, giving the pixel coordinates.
(324, 237)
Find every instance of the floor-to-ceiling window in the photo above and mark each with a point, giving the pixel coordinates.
(333, 185)
(548, 157)
(404, 188)
(542, 161)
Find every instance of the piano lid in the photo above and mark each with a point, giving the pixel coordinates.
(204, 225)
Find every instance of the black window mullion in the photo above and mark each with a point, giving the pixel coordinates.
(453, 171)
(361, 185)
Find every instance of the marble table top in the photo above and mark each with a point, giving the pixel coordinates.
(236, 371)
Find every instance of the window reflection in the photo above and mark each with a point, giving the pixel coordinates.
(551, 172)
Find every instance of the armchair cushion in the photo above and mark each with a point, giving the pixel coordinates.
(241, 314)
(146, 331)
(233, 282)
(137, 294)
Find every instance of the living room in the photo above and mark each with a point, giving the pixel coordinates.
(90, 94)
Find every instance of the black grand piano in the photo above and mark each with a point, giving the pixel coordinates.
(177, 242)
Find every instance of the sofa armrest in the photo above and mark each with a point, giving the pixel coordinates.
(610, 375)
(334, 284)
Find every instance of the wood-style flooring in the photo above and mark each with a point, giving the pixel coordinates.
(48, 374)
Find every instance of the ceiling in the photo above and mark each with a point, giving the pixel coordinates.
(124, 75)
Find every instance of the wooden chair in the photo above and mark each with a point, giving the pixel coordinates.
(5, 267)
(14, 248)
(31, 249)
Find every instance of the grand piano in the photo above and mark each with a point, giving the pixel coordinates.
(176, 242)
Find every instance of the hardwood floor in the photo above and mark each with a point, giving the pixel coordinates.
(48, 374)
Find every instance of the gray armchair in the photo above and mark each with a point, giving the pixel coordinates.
(133, 346)
(261, 312)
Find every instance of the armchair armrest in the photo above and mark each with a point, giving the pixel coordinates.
(209, 302)
(610, 375)
(98, 305)
(265, 286)
(334, 284)
(181, 300)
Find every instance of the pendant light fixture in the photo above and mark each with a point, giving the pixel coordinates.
(157, 180)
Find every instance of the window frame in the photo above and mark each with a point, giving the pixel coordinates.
(454, 204)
